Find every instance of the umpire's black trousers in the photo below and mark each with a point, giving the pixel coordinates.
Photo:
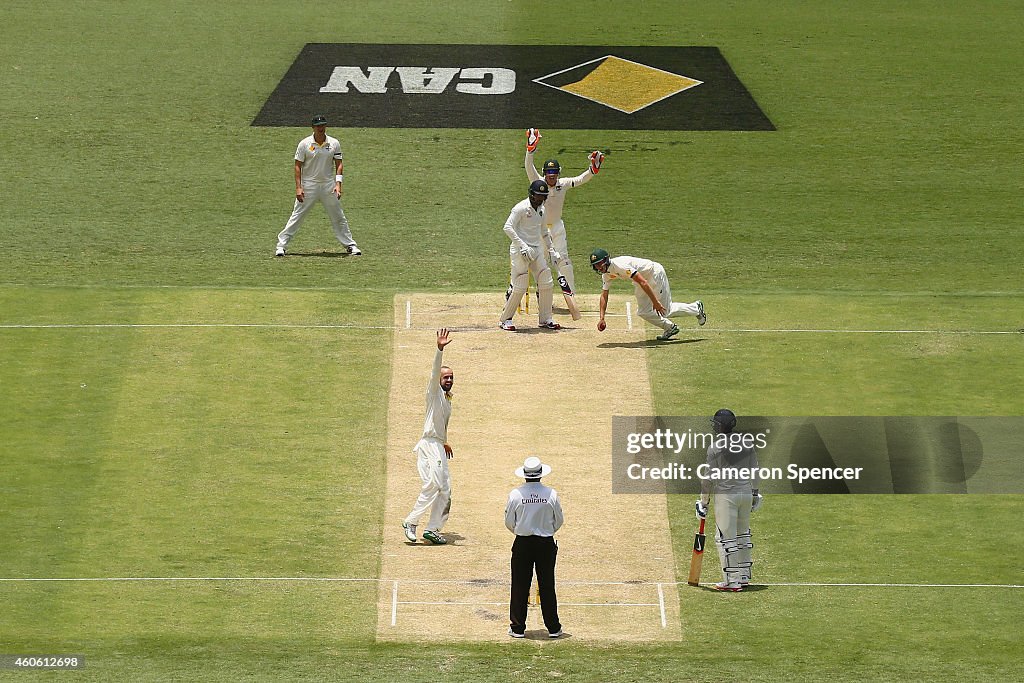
(528, 552)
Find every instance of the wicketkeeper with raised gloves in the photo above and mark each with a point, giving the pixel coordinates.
(533, 513)
(433, 452)
(735, 499)
(558, 187)
(530, 239)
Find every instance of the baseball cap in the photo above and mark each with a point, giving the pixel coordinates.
(319, 120)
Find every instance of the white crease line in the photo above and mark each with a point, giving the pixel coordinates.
(408, 314)
(329, 579)
(661, 604)
(394, 604)
(560, 604)
(629, 326)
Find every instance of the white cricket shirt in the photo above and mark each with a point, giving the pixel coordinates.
(623, 268)
(439, 406)
(318, 160)
(526, 223)
(556, 195)
(533, 510)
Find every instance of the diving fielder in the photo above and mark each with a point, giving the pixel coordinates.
(558, 188)
(525, 227)
(433, 452)
(735, 499)
(650, 284)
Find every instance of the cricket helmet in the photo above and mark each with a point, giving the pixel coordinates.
(552, 166)
(539, 188)
(724, 421)
(597, 257)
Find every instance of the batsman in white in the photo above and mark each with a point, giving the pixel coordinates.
(650, 284)
(525, 227)
(561, 264)
(735, 499)
(318, 178)
(433, 452)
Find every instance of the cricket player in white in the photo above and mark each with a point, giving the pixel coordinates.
(735, 499)
(433, 452)
(561, 264)
(318, 178)
(525, 227)
(650, 284)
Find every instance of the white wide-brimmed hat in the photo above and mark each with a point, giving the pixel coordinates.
(533, 468)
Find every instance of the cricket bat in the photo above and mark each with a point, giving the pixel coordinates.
(697, 558)
(570, 298)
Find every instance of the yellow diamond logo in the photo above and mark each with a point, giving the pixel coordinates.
(618, 83)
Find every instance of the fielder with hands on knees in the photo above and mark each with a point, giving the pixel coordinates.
(735, 499)
(318, 177)
(433, 452)
(525, 228)
(650, 286)
(558, 187)
(533, 513)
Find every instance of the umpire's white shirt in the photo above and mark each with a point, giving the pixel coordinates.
(533, 510)
(526, 223)
(318, 160)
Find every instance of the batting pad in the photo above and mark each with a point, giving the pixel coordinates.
(516, 394)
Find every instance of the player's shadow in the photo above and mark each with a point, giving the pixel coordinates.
(648, 343)
(320, 254)
(751, 588)
(541, 634)
(450, 535)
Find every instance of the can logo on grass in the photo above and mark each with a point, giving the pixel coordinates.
(513, 86)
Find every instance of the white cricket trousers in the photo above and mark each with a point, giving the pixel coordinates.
(560, 243)
(323, 193)
(732, 517)
(645, 308)
(436, 494)
(521, 267)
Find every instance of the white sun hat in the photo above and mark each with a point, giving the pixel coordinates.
(533, 468)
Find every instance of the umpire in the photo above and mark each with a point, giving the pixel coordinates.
(533, 514)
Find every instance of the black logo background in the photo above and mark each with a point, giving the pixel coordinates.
(720, 103)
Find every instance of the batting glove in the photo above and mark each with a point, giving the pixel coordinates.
(555, 256)
(532, 138)
(529, 252)
(595, 161)
(758, 499)
(702, 510)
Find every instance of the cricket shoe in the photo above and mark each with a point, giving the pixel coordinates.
(279, 251)
(410, 531)
(354, 250)
(556, 634)
(514, 634)
(550, 325)
(434, 537)
(669, 333)
(507, 325)
(701, 318)
(728, 587)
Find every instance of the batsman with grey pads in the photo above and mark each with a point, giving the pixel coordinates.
(735, 499)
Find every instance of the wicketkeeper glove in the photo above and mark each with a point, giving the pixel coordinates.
(702, 510)
(596, 158)
(758, 499)
(532, 138)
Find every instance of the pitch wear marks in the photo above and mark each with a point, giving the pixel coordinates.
(514, 86)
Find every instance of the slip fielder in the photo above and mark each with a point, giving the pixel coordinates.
(433, 452)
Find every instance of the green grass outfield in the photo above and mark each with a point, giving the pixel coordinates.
(191, 444)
